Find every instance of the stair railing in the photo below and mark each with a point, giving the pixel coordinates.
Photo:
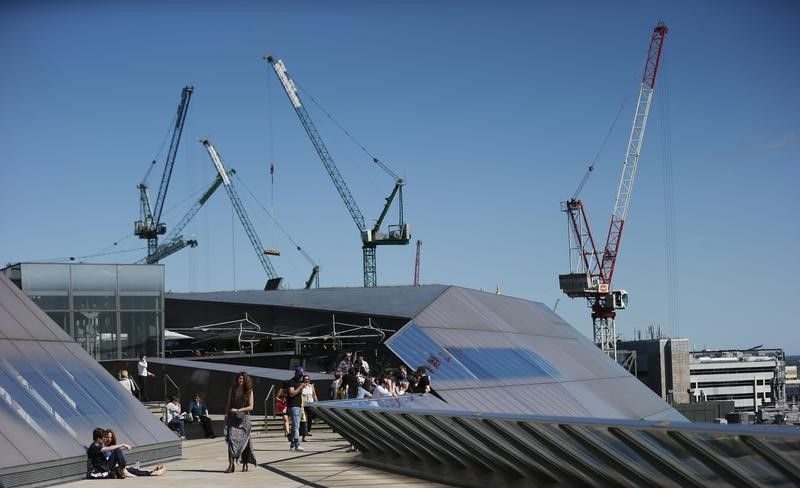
(176, 387)
(266, 410)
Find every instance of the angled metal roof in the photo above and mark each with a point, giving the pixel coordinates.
(493, 353)
(422, 435)
(53, 394)
(388, 301)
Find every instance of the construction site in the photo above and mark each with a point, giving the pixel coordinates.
(519, 397)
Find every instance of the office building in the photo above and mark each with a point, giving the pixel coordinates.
(114, 311)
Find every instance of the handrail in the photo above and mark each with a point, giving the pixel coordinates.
(178, 388)
(266, 418)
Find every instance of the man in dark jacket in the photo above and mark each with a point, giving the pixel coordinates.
(294, 403)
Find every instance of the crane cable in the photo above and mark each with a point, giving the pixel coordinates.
(160, 148)
(75, 258)
(671, 255)
(602, 146)
(270, 144)
(275, 221)
(375, 160)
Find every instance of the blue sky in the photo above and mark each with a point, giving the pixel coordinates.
(491, 111)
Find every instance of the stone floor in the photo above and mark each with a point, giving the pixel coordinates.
(324, 462)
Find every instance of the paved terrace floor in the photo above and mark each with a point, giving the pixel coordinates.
(324, 463)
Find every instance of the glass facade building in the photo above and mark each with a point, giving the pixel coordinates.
(114, 311)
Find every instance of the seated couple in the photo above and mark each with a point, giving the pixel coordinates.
(105, 458)
(197, 413)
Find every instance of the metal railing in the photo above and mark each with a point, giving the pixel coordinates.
(266, 411)
(166, 398)
(176, 387)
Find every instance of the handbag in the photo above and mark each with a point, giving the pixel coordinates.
(235, 419)
(134, 387)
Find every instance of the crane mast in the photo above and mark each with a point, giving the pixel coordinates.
(416, 264)
(237, 205)
(370, 238)
(590, 271)
(150, 225)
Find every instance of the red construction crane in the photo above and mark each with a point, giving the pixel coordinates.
(590, 271)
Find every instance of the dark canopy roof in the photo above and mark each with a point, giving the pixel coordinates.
(389, 301)
(485, 351)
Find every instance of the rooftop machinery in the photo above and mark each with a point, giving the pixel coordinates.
(274, 281)
(370, 238)
(590, 272)
(150, 225)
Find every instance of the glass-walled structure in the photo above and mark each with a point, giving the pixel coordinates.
(114, 311)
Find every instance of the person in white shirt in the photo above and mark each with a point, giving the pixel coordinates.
(144, 375)
(384, 389)
(175, 418)
(309, 393)
(364, 363)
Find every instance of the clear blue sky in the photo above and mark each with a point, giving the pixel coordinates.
(490, 112)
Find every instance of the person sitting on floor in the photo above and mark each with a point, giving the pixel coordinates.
(97, 463)
(117, 464)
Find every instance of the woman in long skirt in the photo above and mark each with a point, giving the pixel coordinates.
(237, 422)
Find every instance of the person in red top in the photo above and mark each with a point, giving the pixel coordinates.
(282, 409)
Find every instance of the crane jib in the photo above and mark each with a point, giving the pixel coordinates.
(370, 238)
(584, 255)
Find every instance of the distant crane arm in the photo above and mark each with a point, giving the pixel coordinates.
(150, 226)
(370, 238)
(180, 119)
(237, 205)
(195, 208)
(622, 202)
(175, 237)
(167, 249)
(344, 192)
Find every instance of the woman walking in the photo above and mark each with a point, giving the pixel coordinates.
(237, 422)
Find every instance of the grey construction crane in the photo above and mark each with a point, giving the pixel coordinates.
(150, 226)
(274, 280)
(370, 237)
(174, 240)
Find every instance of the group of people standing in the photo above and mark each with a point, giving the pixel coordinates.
(354, 381)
